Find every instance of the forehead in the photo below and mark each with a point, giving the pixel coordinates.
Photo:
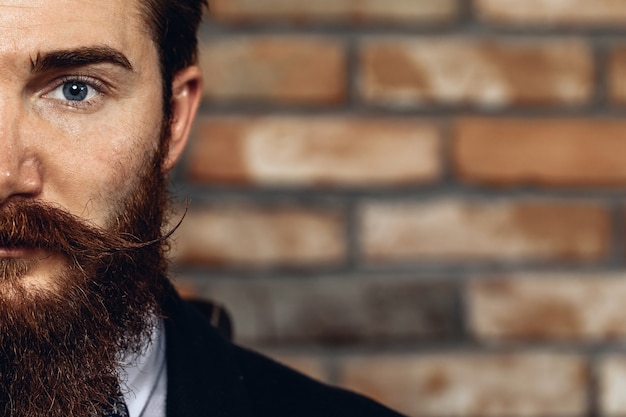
(34, 26)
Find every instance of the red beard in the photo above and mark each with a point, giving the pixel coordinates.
(60, 348)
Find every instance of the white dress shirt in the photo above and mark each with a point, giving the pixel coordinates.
(144, 383)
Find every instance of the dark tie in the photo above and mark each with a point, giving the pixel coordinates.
(118, 408)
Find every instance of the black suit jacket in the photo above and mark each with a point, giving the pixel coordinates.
(209, 376)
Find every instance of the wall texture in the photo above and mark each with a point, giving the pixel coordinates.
(421, 200)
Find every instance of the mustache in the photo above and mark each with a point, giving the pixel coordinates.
(39, 225)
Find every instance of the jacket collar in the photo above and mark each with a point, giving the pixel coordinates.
(203, 377)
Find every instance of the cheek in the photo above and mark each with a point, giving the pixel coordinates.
(89, 168)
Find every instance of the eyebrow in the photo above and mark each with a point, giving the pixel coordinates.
(78, 57)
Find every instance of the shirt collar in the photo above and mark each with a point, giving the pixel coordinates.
(141, 373)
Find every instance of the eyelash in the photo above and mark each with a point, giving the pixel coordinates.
(91, 82)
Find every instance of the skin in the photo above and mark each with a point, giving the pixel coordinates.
(83, 156)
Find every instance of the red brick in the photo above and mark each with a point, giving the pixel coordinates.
(294, 70)
(612, 380)
(402, 72)
(545, 307)
(315, 151)
(617, 75)
(239, 235)
(336, 310)
(344, 11)
(550, 12)
(463, 384)
(555, 152)
(453, 230)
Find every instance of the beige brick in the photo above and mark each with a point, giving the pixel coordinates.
(452, 230)
(617, 75)
(462, 384)
(551, 12)
(294, 70)
(312, 366)
(333, 310)
(239, 235)
(393, 11)
(404, 72)
(612, 385)
(315, 151)
(554, 152)
(548, 307)
(250, 311)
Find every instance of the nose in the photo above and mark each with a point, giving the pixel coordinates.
(20, 174)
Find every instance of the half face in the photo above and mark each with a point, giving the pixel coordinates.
(80, 111)
(81, 198)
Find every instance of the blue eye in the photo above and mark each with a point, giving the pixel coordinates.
(75, 91)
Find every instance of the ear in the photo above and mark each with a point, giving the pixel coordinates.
(186, 96)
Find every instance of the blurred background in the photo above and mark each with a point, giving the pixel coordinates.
(420, 200)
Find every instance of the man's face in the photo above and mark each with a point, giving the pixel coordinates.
(80, 110)
(81, 197)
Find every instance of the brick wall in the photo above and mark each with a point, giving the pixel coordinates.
(421, 200)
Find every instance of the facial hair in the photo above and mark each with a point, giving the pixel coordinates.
(60, 348)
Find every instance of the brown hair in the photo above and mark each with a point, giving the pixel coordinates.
(173, 25)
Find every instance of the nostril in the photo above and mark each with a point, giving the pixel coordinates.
(23, 180)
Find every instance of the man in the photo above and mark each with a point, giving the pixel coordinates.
(96, 102)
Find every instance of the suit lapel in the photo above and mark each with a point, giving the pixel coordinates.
(203, 378)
